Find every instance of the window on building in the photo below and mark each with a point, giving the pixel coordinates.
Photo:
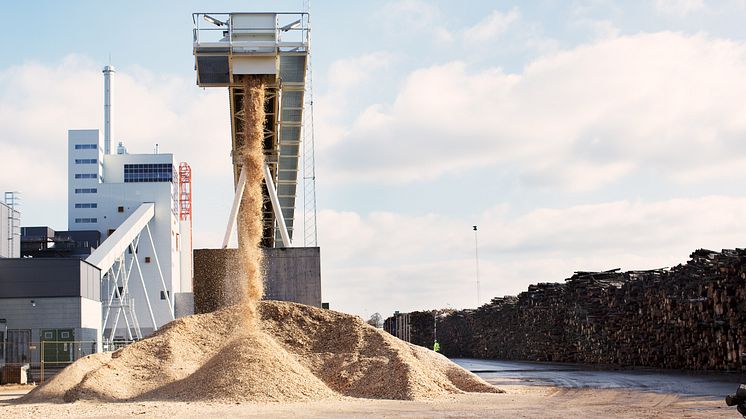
(86, 176)
(120, 209)
(121, 291)
(86, 190)
(152, 172)
(86, 220)
(86, 146)
(87, 205)
(147, 259)
(163, 295)
(86, 161)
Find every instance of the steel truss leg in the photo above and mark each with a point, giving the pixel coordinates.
(234, 209)
(276, 207)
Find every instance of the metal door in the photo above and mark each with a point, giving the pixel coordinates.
(18, 350)
(57, 345)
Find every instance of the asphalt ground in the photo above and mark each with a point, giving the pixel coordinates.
(694, 383)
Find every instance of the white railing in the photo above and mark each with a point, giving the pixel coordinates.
(291, 31)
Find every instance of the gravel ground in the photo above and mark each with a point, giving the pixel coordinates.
(519, 401)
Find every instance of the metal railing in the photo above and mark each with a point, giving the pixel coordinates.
(116, 345)
(291, 31)
(44, 358)
(56, 355)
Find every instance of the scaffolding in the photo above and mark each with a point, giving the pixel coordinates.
(185, 194)
(185, 191)
(310, 236)
(13, 202)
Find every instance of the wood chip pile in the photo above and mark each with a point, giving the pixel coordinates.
(252, 351)
(292, 353)
(692, 316)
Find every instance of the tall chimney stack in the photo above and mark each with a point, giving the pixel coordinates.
(108, 70)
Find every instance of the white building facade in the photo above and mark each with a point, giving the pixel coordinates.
(103, 191)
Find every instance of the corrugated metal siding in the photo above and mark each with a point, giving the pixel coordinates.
(55, 277)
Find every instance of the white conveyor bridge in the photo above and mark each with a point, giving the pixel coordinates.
(117, 259)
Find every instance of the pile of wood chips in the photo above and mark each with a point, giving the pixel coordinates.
(297, 353)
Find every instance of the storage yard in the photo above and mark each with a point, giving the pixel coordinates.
(119, 315)
(689, 317)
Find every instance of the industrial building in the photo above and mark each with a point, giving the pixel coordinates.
(104, 190)
(120, 271)
(46, 301)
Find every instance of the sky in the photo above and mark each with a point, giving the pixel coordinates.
(577, 135)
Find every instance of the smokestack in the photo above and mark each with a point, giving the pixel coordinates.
(108, 70)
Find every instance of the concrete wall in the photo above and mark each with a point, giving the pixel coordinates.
(291, 274)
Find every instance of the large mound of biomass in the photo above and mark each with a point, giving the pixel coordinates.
(268, 351)
(296, 353)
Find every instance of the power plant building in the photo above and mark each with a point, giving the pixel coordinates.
(104, 190)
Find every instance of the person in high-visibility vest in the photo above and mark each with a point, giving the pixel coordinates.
(436, 346)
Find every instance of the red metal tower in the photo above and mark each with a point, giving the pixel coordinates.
(185, 196)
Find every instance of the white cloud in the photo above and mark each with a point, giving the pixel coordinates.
(397, 262)
(492, 26)
(344, 78)
(679, 7)
(579, 119)
(403, 17)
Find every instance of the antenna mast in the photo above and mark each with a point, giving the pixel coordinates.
(310, 238)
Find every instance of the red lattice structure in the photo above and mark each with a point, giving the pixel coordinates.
(185, 191)
(185, 196)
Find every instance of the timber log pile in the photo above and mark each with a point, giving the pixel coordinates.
(692, 316)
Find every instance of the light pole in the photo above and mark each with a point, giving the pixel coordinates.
(476, 260)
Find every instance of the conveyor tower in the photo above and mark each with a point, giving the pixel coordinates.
(231, 46)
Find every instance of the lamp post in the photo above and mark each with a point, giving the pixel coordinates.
(476, 260)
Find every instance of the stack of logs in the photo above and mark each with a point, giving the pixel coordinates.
(692, 316)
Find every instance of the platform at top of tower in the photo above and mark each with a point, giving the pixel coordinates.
(228, 44)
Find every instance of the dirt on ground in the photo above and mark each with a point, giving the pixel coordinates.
(517, 402)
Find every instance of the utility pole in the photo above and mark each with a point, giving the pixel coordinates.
(476, 259)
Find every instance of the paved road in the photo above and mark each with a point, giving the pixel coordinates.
(578, 376)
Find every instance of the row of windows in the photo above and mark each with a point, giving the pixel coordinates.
(86, 161)
(86, 205)
(148, 166)
(86, 190)
(86, 146)
(86, 175)
(156, 172)
(86, 220)
(50, 335)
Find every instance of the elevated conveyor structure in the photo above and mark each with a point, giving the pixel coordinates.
(228, 47)
(117, 258)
